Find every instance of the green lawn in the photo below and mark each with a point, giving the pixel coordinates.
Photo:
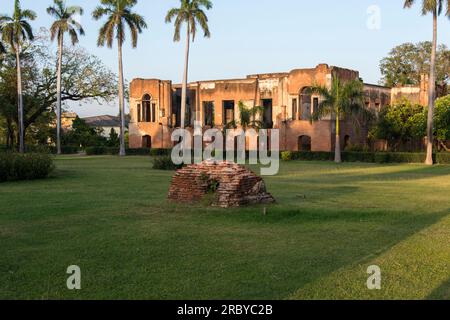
(110, 217)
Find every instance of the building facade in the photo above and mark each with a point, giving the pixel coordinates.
(155, 107)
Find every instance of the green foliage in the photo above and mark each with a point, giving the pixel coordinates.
(401, 122)
(407, 62)
(190, 12)
(83, 135)
(165, 163)
(84, 78)
(249, 116)
(113, 140)
(405, 121)
(119, 15)
(286, 156)
(367, 157)
(442, 118)
(29, 166)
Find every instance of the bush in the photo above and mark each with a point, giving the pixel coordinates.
(369, 157)
(358, 156)
(29, 166)
(286, 156)
(165, 163)
(443, 158)
(160, 152)
(69, 149)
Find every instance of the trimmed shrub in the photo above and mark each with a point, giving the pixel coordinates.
(138, 152)
(69, 149)
(443, 158)
(286, 156)
(160, 152)
(165, 163)
(29, 166)
(358, 156)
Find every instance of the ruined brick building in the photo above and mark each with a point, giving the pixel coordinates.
(155, 107)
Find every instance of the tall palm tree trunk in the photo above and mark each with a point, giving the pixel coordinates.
(121, 103)
(20, 102)
(432, 94)
(337, 151)
(185, 79)
(58, 94)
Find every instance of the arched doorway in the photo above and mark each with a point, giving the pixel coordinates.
(147, 142)
(304, 143)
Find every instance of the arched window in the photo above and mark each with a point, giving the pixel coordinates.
(147, 142)
(304, 143)
(305, 104)
(146, 108)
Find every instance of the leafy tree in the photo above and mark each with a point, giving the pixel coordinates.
(119, 15)
(113, 140)
(82, 135)
(64, 23)
(84, 78)
(343, 99)
(400, 123)
(190, 13)
(442, 121)
(15, 30)
(407, 62)
(435, 7)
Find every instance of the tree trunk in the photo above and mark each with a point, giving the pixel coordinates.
(337, 151)
(185, 79)
(20, 102)
(121, 103)
(432, 94)
(58, 95)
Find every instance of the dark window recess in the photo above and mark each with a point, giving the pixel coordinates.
(315, 105)
(139, 113)
(228, 111)
(268, 113)
(208, 112)
(294, 109)
(153, 118)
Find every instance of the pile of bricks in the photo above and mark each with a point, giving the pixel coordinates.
(232, 185)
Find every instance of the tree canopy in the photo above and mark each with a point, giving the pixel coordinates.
(84, 78)
(407, 62)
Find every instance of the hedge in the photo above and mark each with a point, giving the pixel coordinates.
(28, 166)
(165, 163)
(100, 150)
(371, 157)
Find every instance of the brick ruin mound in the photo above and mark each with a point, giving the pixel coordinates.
(232, 185)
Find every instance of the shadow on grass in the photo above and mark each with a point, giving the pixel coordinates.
(442, 292)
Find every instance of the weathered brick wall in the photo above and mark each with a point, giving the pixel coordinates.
(236, 185)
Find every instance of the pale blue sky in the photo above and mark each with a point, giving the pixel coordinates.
(256, 36)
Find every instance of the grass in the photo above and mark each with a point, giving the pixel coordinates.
(110, 216)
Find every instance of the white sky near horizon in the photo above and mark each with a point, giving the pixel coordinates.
(256, 36)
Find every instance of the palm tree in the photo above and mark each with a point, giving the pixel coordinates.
(119, 15)
(64, 23)
(15, 30)
(435, 7)
(249, 116)
(190, 12)
(341, 100)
